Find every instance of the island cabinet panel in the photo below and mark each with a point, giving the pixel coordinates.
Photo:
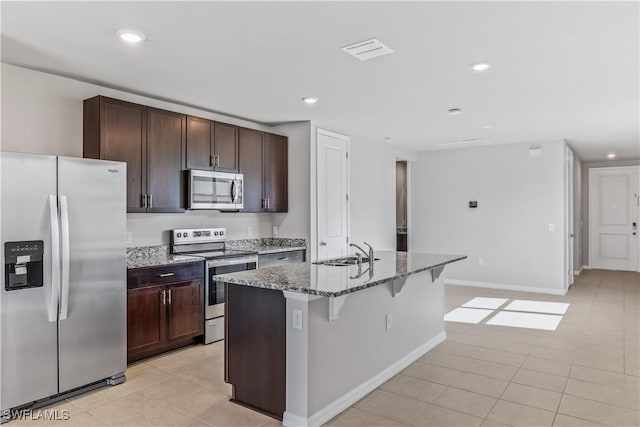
(225, 147)
(250, 159)
(255, 348)
(165, 148)
(184, 310)
(149, 140)
(165, 308)
(115, 130)
(276, 185)
(199, 139)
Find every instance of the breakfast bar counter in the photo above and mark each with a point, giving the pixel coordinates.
(304, 341)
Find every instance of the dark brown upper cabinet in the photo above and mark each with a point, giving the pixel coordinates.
(275, 170)
(165, 154)
(263, 161)
(211, 145)
(149, 140)
(250, 156)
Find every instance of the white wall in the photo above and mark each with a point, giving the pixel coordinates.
(296, 223)
(42, 113)
(518, 197)
(373, 192)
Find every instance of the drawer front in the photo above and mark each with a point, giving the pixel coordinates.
(280, 258)
(165, 274)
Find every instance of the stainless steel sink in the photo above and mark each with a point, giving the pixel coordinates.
(344, 261)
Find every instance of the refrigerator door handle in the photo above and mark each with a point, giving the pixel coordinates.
(52, 312)
(64, 227)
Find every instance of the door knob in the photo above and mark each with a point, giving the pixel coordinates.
(323, 243)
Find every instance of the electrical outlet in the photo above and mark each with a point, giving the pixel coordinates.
(249, 231)
(275, 230)
(297, 319)
(129, 238)
(387, 320)
(552, 227)
(480, 261)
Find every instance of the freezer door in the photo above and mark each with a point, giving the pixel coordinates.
(28, 317)
(92, 327)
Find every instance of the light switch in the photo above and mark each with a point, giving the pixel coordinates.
(275, 230)
(552, 227)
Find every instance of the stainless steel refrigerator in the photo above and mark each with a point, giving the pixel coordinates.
(63, 303)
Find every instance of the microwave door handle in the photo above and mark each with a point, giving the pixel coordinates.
(234, 192)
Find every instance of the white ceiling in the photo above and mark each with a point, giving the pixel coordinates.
(560, 69)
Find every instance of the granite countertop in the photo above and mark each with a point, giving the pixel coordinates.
(331, 281)
(268, 245)
(151, 256)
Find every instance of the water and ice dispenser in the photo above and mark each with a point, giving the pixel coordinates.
(23, 264)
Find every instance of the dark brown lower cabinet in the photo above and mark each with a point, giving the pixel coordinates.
(256, 348)
(165, 309)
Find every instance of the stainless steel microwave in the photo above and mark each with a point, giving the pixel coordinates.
(215, 190)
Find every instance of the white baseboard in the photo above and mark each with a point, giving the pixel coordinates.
(343, 402)
(506, 287)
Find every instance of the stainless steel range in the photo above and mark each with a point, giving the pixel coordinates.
(209, 243)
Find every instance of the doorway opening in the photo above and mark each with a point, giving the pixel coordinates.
(402, 228)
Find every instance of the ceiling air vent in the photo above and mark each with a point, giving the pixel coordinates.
(463, 143)
(367, 49)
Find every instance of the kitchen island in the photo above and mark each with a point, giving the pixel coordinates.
(305, 341)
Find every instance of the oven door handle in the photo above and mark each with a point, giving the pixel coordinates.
(232, 261)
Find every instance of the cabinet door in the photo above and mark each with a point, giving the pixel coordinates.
(250, 164)
(225, 147)
(199, 138)
(165, 148)
(185, 310)
(276, 186)
(122, 138)
(146, 321)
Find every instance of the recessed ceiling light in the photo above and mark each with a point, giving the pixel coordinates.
(455, 111)
(487, 126)
(388, 139)
(480, 66)
(611, 155)
(131, 36)
(310, 100)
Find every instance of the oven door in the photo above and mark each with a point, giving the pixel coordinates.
(215, 190)
(214, 295)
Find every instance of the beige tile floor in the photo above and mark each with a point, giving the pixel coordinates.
(584, 373)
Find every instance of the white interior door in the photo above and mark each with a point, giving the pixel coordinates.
(613, 218)
(569, 220)
(333, 186)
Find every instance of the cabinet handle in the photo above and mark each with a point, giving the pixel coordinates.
(212, 160)
(143, 200)
(268, 203)
(166, 274)
(150, 198)
(169, 302)
(163, 297)
(263, 204)
(217, 160)
(283, 258)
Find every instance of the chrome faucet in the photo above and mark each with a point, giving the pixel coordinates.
(369, 254)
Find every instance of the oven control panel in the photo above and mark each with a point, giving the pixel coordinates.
(198, 235)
